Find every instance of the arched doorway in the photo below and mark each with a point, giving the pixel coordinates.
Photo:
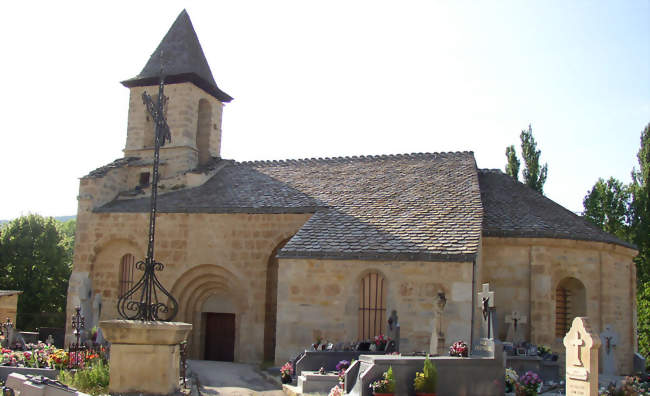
(212, 299)
(570, 302)
(271, 303)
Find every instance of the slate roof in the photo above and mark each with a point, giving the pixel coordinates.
(182, 57)
(512, 209)
(402, 207)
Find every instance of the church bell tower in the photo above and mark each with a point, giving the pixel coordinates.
(193, 110)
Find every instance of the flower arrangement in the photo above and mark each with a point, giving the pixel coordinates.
(459, 349)
(425, 382)
(286, 372)
(46, 356)
(386, 385)
(381, 341)
(511, 379)
(336, 391)
(629, 386)
(341, 367)
(543, 350)
(529, 384)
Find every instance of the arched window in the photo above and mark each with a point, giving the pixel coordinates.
(372, 305)
(203, 131)
(570, 302)
(127, 267)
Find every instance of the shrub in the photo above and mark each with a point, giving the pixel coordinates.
(93, 379)
(426, 380)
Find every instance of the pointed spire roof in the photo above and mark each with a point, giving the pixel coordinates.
(182, 59)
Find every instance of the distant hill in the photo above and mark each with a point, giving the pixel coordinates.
(59, 218)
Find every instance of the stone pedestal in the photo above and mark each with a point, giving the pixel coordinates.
(144, 355)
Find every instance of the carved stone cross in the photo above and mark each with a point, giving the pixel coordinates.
(515, 319)
(581, 358)
(487, 307)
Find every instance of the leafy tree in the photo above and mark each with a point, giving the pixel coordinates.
(643, 325)
(36, 258)
(534, 175)
(640, 207)
(512, 167)
(607, 206)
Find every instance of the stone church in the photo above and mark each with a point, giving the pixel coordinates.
(265, 257)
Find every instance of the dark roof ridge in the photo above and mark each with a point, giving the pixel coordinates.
(348, 158)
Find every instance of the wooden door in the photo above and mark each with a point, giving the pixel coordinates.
(220, 336)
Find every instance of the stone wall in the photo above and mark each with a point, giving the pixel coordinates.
(321, 298)
(8, 307)
(525, 272)
(205, 255)
(182, 113)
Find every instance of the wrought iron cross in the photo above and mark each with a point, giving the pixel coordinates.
(149, 307)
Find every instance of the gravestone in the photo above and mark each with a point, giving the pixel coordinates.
(609, 341)
(437, 342)
(394, 328)
(581, 345)
(486, 346)
(486, 303)
(515, 329)
(97, 314)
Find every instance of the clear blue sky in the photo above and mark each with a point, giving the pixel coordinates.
(330, 78)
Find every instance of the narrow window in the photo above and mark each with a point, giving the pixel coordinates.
(144, 179)
(203, 131)
(127, 266)
(570, 302)
(372, 306)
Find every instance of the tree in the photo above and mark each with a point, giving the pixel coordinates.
(640, 207)
(34, 259)
(534, 176)
(607, 206)
(512, 167)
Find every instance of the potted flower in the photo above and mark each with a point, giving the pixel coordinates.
(340, 368)
(286, 372)
(511, 379)
(381, 341)
(529, 384)
(425, 382)
(384, 386)
(459, 349)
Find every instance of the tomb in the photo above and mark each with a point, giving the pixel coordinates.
(581, 359)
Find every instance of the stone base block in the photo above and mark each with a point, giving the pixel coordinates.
(145, 356)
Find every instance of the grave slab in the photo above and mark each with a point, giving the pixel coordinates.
(582, 345)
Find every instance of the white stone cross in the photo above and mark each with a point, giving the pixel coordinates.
(578, 342)
(487, 297)
(487, 305)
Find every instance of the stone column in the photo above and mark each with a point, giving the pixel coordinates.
(144, 355)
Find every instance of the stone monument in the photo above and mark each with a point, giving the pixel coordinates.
(145, 346)
(394, 329)
(437, 342)
(515, 328)
(609, 340)
(486, 345)
(581, 345)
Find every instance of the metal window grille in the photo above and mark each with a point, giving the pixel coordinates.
(127, 266)
(372, 306)
(562, 311)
